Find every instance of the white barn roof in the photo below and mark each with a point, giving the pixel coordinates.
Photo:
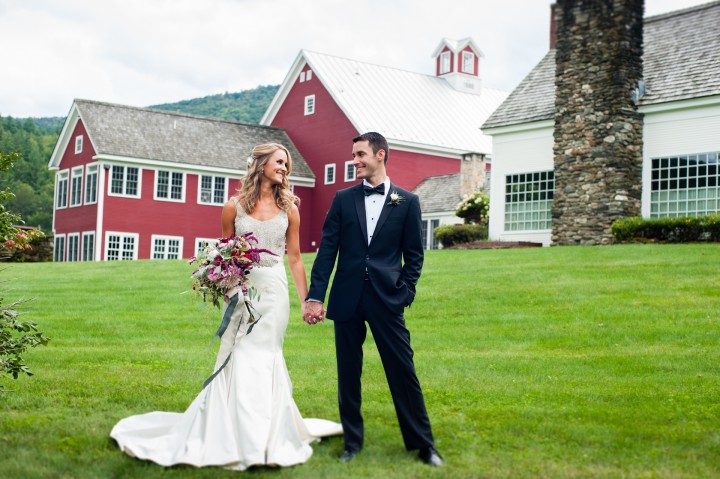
(411, 110)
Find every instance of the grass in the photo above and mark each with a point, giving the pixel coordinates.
(572, 362)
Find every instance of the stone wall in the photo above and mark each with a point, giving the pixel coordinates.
(598, 130)
(473, 174)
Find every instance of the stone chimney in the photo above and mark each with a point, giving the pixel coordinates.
(598, 130)
(474, 174)
(552, 25)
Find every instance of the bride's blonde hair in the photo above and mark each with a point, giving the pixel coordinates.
(250, 190)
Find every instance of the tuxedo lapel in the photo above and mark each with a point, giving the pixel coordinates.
(360, 208)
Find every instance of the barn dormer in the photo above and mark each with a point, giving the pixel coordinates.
(458, 61)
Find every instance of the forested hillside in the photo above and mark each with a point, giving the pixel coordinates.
(34, 139)
(246, 106)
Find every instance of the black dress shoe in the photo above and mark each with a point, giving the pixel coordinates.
(348, 455)
(431, 457)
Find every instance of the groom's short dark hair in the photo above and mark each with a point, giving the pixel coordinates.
(376, 141)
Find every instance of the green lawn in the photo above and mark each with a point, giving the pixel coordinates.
(569, 362)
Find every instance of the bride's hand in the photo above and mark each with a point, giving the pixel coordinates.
(313, 312)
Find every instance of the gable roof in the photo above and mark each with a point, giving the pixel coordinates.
(457, 46)
(411, 110)
(681, 61)
(439, 193)
(144, 134)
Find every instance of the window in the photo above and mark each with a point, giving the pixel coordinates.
(73, 250)
(428, 233)
(121, 246)
(169, 185)
(166, 247)
(124, 181)
(468, 62)
(88, 246)
(201, 243)
(309, 105)
(529, 200)
(308, 75)
(91, 178)
(329, 174)
(76, 186)
(349, 171)
(444, 62)
(78, 144)
(61, 192)
(59, 248)
(212, 190)
(685, 185)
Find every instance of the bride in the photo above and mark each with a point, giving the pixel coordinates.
(246, 415)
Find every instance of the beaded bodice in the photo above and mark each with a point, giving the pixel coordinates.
(270, 234)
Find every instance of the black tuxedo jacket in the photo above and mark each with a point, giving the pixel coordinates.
(393, 260)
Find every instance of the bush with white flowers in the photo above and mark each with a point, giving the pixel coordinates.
(474, 208)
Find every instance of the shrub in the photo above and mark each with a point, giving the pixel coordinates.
(450, 235)
(671, 230)
(474, 209)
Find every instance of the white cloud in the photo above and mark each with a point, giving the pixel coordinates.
(143, 52)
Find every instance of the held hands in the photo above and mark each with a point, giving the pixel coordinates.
(313, 312)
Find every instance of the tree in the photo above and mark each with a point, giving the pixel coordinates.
(16, 336)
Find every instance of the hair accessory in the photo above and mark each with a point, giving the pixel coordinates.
(250, 160)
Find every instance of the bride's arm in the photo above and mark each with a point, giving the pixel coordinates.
(227, 219)
(297, 268)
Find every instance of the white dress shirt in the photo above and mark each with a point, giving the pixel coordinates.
(373, 206)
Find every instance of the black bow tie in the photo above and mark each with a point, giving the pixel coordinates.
(379, 189)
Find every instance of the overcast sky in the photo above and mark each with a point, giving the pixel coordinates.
(146, 52)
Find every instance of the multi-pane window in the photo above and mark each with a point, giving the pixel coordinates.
(166, 247)
(349, 171)
(529, 200)
(309, 104)
(212, 189)
(121, 246)
(78, 144)
(685, 185)
(73, 251)
(428, 233)
(201, 243)
(445, 62)
(61, 197)
(124, 180)
(91, 180)
(329, 174)
(468, 62)
(88, 246)
(59, 248)
(76, 186)
(169, 185)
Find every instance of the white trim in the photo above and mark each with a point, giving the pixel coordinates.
(70, 237)
(124, 182)
(91, 169)
(165, 252)
(78, 144)
(183, 186)
(354, 173)
(203, 240)
(471, 56)
(76, 173)
(445, 62)
(330, 166)
(99, 221)
(309, 105)
(680, 104)
(63, 253)
(60, 176)
(82, 246)
(134, 236)
(518, 127)
(212, 190)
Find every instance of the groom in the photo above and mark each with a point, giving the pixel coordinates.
(374, 230)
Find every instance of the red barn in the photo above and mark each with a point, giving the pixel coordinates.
(136, 183)
(432, 122)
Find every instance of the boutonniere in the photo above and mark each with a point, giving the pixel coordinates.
(395, 198)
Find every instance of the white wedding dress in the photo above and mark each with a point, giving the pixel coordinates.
(246, 415)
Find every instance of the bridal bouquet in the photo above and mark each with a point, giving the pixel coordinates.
(223, 270)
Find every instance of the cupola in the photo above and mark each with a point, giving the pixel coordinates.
(458, 61)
